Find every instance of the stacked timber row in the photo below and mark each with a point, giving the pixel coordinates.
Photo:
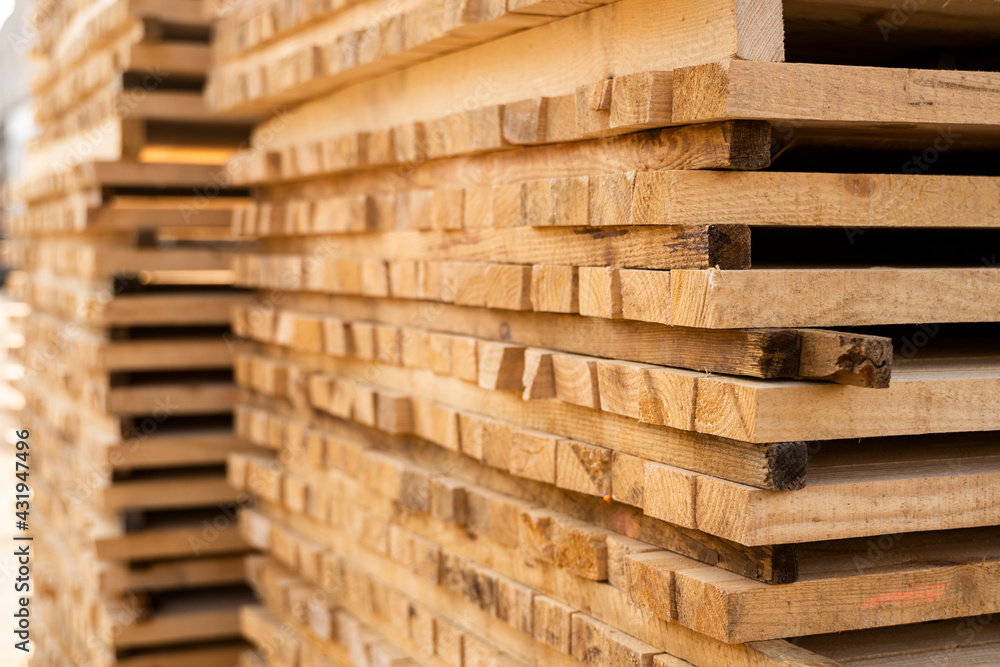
(124, 236)
(644, 332)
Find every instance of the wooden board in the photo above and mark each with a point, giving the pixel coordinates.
(124, 174)
(800, 353)
(729, 509)
(738, 145)
(926, 396)
(91, 306)
(832, 297)
(838, 96)
(207, 617)
(174, 450)
(177, 491)
(550, 514)
(775, 198)
(761, 466)
(173, 216)
(167, 542)
(220, 571)
(706, 298)
(559, 60)
(718, 603)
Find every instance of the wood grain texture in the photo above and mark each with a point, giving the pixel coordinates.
(773, 91)
(840, 297)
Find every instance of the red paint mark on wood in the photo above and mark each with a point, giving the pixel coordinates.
(900, 598)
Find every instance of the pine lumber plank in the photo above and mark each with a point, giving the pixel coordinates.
(703, 197)
(765, 198)
(768, 466)
(191, 60)
(648, 247)
(696, 580)
(83, 348)
(191, 490)
(552, 623)
(219, 571)
(818, 512)
(120, 173)
(714, 145)
(574, 380)
(747, 29)
(533, 455)
(162, 450)
(165, 354)
(192, 398)
(929, 591)
(813, 354)
(541, 532)
(924, 397)
(835, 297)
(166, 220)
(214, 618)
(167, 542)
(169, 310)
(95, 262)
(848, 95)
(845, 359)
(544, 579)
(734, 511)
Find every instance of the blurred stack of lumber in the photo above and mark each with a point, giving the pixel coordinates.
(123, 231)
(518, 393)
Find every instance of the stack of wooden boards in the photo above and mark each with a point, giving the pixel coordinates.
(519, 396)
(514, 393)
(124, 235)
